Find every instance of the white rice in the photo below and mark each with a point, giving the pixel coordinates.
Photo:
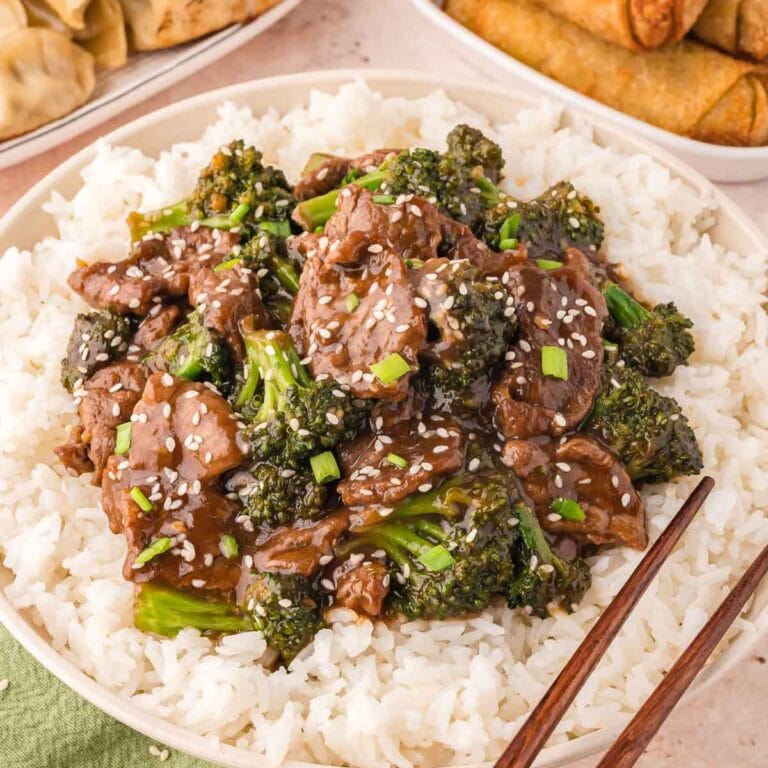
(423, 694)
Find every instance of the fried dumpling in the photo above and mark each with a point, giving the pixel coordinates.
(104, 34)
(71, 12)
(40, 14)
(43, 76)
(12, 16)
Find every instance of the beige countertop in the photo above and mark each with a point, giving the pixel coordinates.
(724, 727)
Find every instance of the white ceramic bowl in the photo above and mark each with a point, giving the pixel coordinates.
(185, 122)
(715, 162)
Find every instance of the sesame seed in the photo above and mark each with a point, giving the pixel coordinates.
(625, 499)
(559, 419)
(170, 444)
(167, 380)
(328, 584)
(332, 418)
(588, 354)
(425, 487)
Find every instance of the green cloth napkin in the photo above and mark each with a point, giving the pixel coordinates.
(43, 724)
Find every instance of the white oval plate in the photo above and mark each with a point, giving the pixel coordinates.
(143, 76)
(24, 225)
(716, 162)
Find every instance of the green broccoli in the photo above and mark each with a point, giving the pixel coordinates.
(234, 190)
(450, 549)
(653, 342)
(541, 578)
(97, 339)
(646, 430)
(471, 148)
(293, 416)
(194, 352)
(277, 495)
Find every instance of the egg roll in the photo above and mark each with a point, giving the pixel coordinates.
(43, 76)
(736, 26)
(688, 89)
(636, 24)
(163, 23)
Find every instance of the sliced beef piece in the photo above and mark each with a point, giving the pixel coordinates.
(301, 547)
(184, 437)
(362, 587)
(582, 470)
(332, 172)
(459, 243)
(226, 297)
(74, 453)
(561, 309)
(106, 400)
(431, 447)
(159, 323)
(158, 267)
(345, 344)
(387, 414)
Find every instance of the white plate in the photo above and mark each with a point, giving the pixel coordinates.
(24, 225)
(144, 75)
(715, 162)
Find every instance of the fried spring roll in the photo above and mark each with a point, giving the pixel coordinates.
(737, 26)
(689, 89)
(635, 24)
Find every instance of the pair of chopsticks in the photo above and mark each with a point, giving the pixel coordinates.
(528, 742)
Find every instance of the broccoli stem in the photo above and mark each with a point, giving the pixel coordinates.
(178, 215)
(313, 213)
(623, 308)
(489, 192)
(167, 611)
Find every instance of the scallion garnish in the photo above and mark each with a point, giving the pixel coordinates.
(384, 199)
(508, 244)
(353, 302)
(279, 228)
(324, 467)
(240, 213)
(510, 226)
(228, 264)
(228, 546)
(554, 362)
(138, 496)
(568, 509)
(438, 558)
(548, 264)
(391, 368)
(123, 438)
(157, 547)
(397, 460)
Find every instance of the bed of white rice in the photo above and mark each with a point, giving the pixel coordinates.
(423, 694)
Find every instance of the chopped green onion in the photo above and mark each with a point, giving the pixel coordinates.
(397, 460)
(568, 509)
(384, 199)
(279, 228)
(240, 213)
(227, 264)
(510, 226)
(228, 546)
(548, 264)
(353, 302)
(138, 496)
(391, 368)
(157, 547)
(324, 467)
(508, 244)
(123, 439)
(554, 362)
(414, 263)
(436, 559)
(319, 230)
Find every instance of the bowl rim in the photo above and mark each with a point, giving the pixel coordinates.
(22, 628)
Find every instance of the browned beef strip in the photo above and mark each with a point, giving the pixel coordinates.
(158, 267)
(153, 329)
(582, 470)
(226, 297)
(432, 447)
(74, 453)
(558, 308)
(106, 400)
(344, 344)
(184, 436)
(363, 587)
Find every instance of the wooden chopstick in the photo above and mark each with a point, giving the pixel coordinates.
(529, 740)
(643, 727)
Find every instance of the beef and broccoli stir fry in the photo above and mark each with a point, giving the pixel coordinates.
(391, 387)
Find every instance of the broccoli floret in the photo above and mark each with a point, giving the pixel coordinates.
(559, 219)
(646, 430)
(542, 578)
(292, 416)
(450, 549)
(653, 342)
(277, 495)
(471, 148)
(286, 609)
(194, 352)
(267, 255)
(97, 339)
(234, 190)
(471, 335)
